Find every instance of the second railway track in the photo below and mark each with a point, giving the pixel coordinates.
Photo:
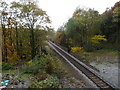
(90, 73)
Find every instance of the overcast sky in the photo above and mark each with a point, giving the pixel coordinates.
(61, 10)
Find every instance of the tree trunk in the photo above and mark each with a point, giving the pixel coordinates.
(32, 44)
(4, 51)
(17, 49)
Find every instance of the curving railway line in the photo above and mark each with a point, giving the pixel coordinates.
(91, 76)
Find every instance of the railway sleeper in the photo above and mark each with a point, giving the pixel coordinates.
(93, 77)
(96, 79)
(102, 85)
(99, 82)
(106, 87)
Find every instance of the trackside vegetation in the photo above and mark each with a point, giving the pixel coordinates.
(90, 30)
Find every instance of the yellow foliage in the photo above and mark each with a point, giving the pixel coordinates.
(98, 38)
(13, 58)
(29, 63)
(58, 37)
(76, 49)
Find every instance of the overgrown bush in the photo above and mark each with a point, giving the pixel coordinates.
(96, 42)
(50, 82)
(46, 71)
(45, 63)
(33, 69)
(6, 66)
(59, 70)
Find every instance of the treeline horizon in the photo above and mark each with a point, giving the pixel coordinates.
(25, 28)
(91, 30)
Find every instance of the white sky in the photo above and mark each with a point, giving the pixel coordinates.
(61, 10)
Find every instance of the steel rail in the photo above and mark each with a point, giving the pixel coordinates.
(89, 72)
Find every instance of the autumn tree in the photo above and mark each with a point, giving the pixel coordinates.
(82, 25)
(110, 25)
(31, 15)
(8, 34)
(3, 15)
(24, 30)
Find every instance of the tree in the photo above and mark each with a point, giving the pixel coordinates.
(8, 34)
(110, 24)
(82, 25)
(30, 15)
(22, 38)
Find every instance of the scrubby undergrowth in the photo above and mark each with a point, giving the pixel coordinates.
(45, 71)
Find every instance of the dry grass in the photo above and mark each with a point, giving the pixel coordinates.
(101, 56)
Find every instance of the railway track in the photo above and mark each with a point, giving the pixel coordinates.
(91, 75)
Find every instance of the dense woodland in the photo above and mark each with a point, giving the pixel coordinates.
(90, 30)
(26, 28)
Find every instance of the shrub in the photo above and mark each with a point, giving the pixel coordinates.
(47, 63)
(89, 47)
(59, 70)
(43, 69)
(44, 63)
(50, 82)
(33, 69)
(95, 43)
(77, 49)
(6, 66)
(97, 39)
